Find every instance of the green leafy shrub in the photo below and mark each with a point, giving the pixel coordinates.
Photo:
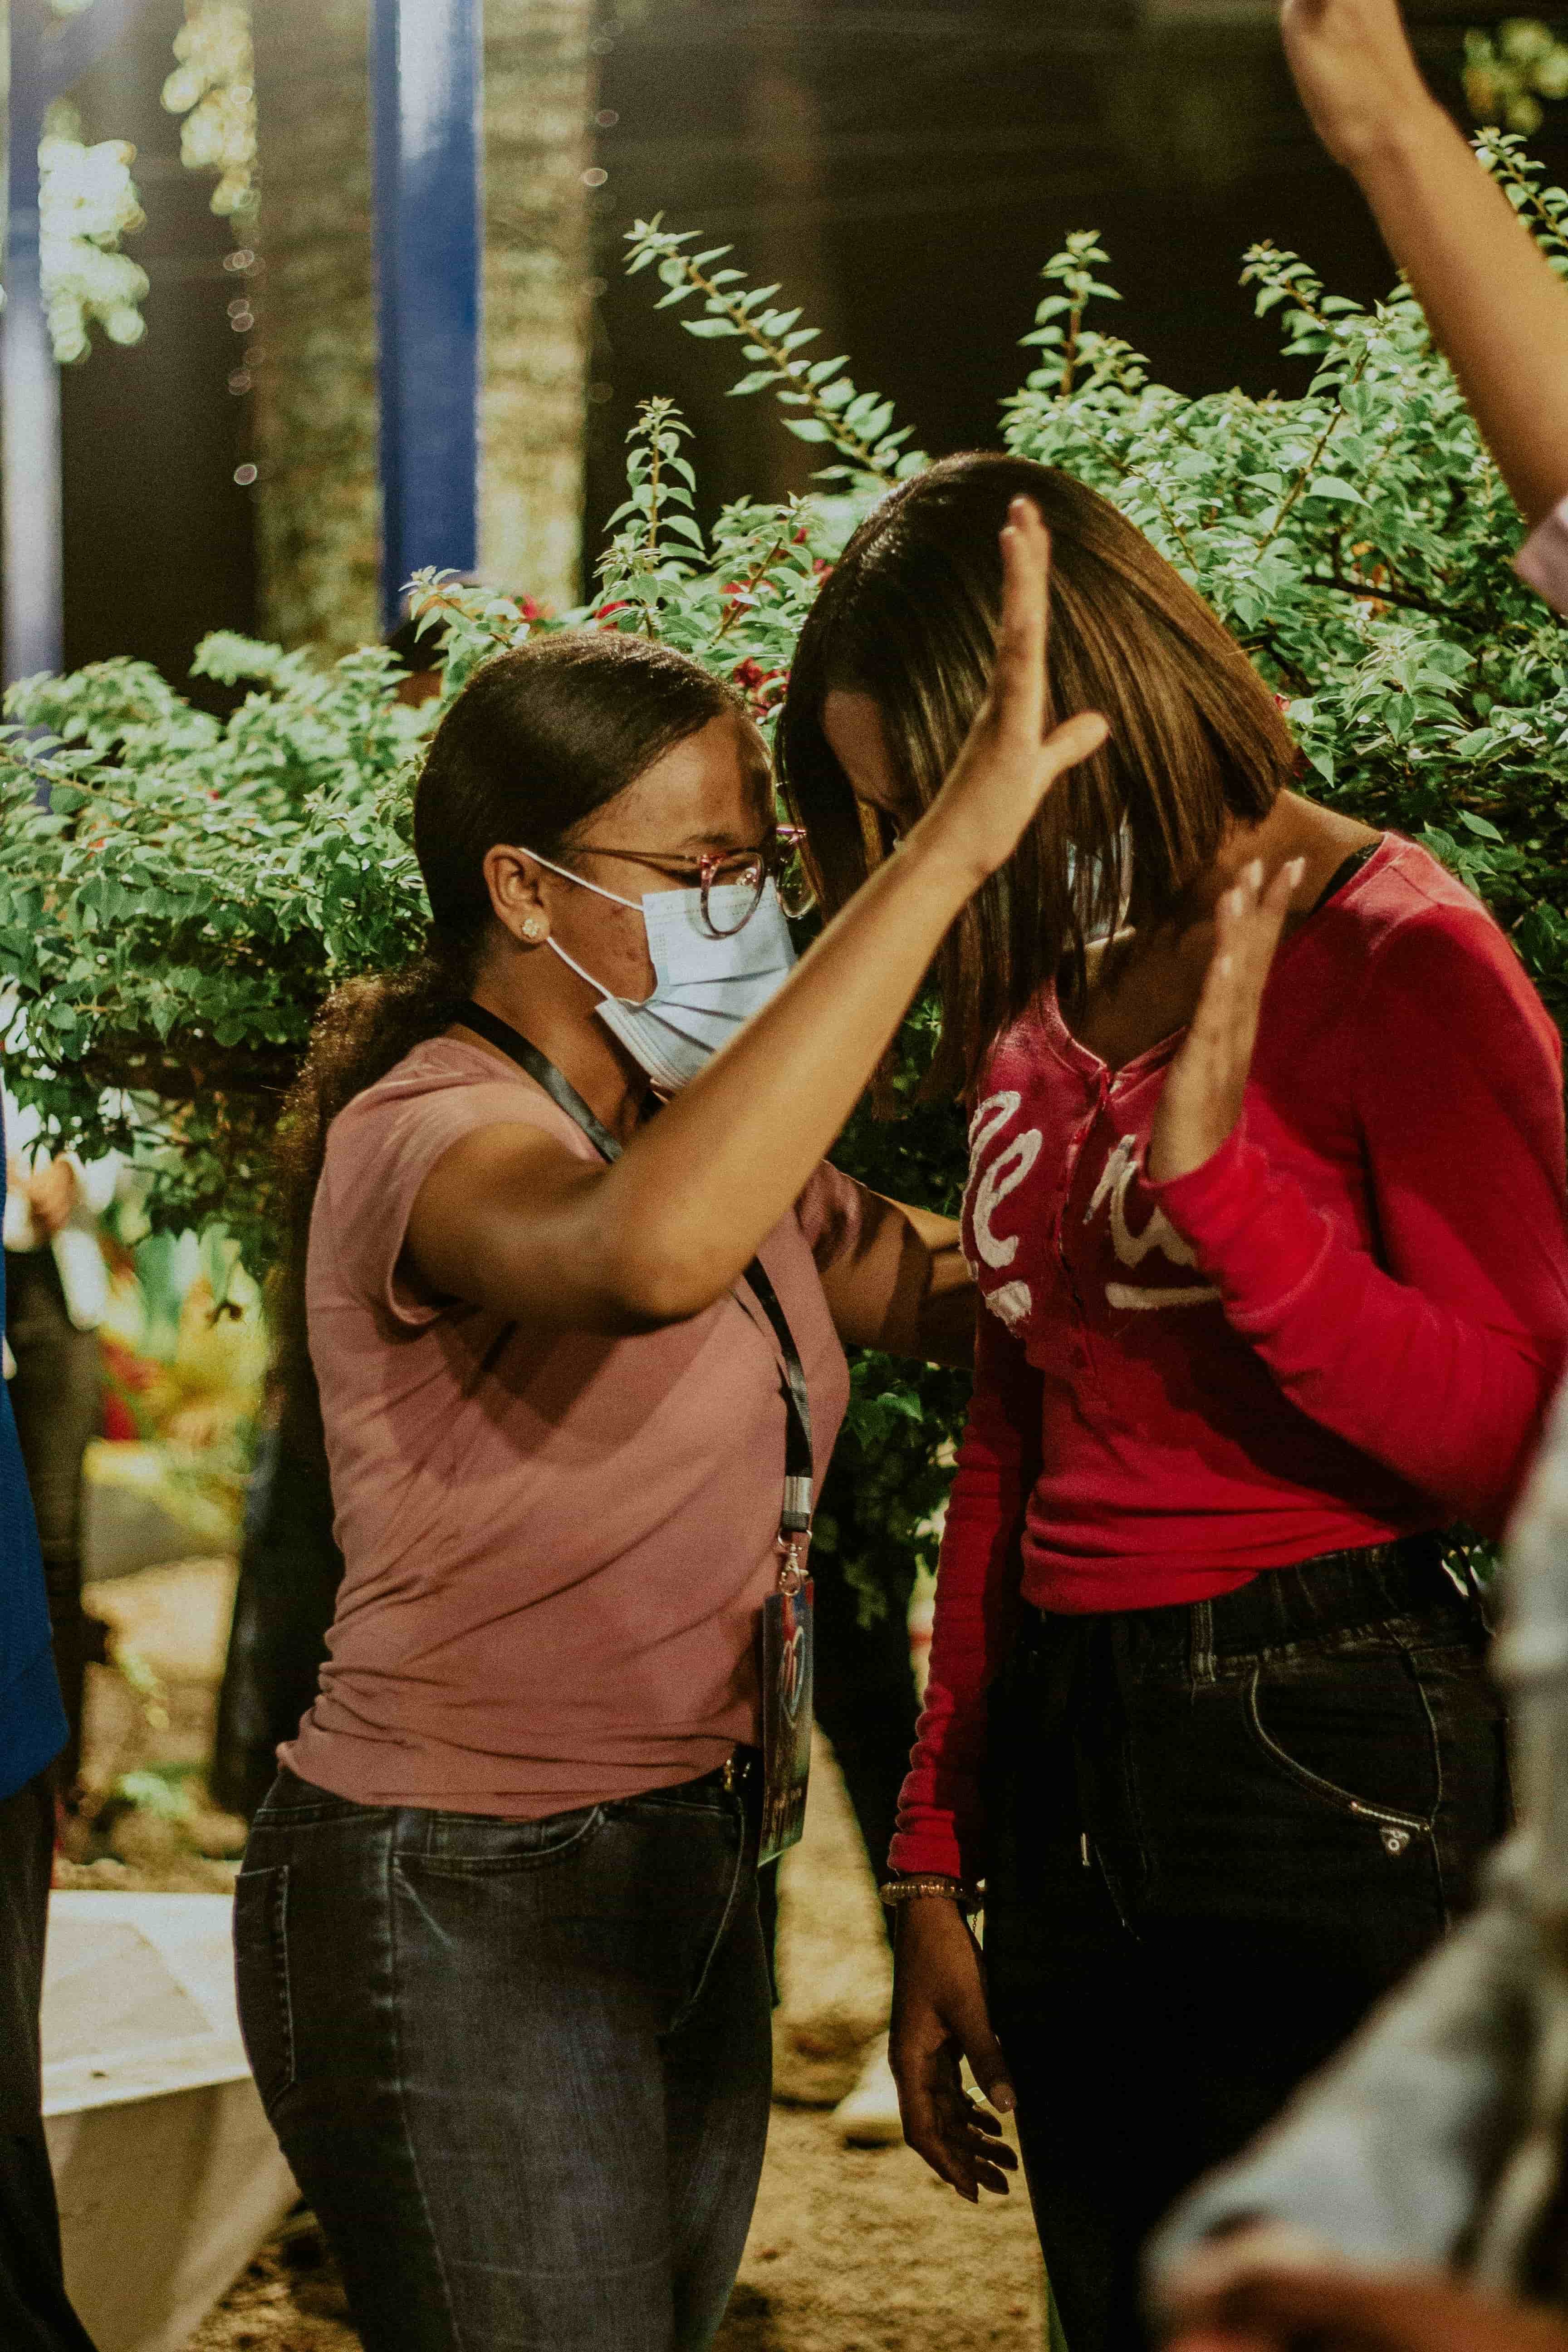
(1510, 70)
(192, 888)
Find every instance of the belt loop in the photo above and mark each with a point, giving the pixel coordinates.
(1200, 1643)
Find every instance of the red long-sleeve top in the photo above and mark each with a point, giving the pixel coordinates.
(1344, 1328)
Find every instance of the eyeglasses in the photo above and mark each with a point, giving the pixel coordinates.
(776, 860)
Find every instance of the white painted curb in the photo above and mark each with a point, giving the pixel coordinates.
(168, 2175)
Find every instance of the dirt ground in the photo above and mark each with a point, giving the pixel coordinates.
(850, 2251)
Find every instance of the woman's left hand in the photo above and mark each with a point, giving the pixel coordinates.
(1202, 1094)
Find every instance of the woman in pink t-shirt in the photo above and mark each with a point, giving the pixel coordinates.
(500, 1968)
(1260, 1321)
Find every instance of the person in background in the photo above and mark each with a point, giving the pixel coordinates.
(1342, 2223)
(36, 2314)
(418, 650)
(58, 1289)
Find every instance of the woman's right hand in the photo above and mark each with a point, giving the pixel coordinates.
(940, 2019)
(1355, 70)
(1009, 764)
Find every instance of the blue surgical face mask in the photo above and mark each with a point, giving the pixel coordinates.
(705, 989)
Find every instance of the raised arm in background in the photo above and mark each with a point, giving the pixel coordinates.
(1498, 310)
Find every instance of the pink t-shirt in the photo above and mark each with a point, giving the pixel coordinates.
(557, 1545)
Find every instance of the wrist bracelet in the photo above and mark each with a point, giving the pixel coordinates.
(895, 1891)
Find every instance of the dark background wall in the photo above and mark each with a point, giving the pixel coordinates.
(904, 169)
(942, 153)
(158, 542)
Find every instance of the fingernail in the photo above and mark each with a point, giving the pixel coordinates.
(1255, 873)
(1298, 868)
(1004, 2098)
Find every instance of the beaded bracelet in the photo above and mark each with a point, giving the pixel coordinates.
(895, 1891)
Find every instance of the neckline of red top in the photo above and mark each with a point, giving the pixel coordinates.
(1080, 1056)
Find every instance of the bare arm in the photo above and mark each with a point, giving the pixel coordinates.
(906, 1286)
(515, 1225)
(1286, 2297)
(1498, 310)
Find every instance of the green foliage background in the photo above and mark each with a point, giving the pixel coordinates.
(192, 888)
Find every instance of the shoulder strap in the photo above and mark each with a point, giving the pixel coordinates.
(799, 1455)
(559, 1087)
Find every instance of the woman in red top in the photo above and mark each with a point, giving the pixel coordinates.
(1261, 1318)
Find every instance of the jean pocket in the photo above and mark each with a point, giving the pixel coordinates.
(1355, 1735)
(261, 1978)
(473, 1845)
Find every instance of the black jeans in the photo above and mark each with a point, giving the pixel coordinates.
(1218, 1833)
(35, 2312)
(520, 2069)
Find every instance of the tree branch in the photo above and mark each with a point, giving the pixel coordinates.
(1399, 597)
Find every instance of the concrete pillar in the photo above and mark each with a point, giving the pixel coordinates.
(313, 370)
(541, 77)
(315, 380)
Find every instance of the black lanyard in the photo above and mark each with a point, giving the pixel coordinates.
(795, 1520)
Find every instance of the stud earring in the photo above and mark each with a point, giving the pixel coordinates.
(533, 928)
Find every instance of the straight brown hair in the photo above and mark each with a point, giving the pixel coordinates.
(909, 616)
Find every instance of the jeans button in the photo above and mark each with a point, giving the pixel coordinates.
(1395, 1840)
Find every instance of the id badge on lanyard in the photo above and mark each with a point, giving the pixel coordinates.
(788, 1628)
(787, 1631)
(787, 1657)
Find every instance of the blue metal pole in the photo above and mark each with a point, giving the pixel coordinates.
(29, 380)
(48, 54)
(427, 68)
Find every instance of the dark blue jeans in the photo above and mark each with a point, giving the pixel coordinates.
(1218, 1833)
(520, 2069)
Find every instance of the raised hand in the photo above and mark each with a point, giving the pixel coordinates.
(1005, 770)
(1203, 1094)
(1354, 69)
